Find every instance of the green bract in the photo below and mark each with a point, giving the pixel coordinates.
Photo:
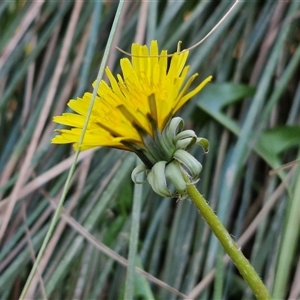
(166, 159)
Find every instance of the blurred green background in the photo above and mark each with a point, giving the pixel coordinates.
(50, 52)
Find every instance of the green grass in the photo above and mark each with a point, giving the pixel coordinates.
(250, 115)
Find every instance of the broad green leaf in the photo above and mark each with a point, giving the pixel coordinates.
(216, 96)
(277, 140)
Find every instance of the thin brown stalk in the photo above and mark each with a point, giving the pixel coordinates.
(36, 183)
(69, 85)
(32, 254)
(81, 174)
(32, 12)
(141, 26)
(26, 169)
(120, 259)
(295, 289)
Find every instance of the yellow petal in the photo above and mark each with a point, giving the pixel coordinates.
(122, 109)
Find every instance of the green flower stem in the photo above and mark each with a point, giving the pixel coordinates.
(243, 265)
(72, 169)
(133, 240)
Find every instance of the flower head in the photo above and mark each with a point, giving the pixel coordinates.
(135, 113)
(130, 112)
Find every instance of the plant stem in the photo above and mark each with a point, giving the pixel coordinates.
(72, 169)
(133, 241)
(243, 265)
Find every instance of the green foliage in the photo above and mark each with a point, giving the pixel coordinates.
(217, 96)
(277, 141)
(250, 115)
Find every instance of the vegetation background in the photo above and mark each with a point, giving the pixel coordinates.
(50, 52)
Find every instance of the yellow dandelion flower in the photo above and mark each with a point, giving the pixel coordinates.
(135, 107)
